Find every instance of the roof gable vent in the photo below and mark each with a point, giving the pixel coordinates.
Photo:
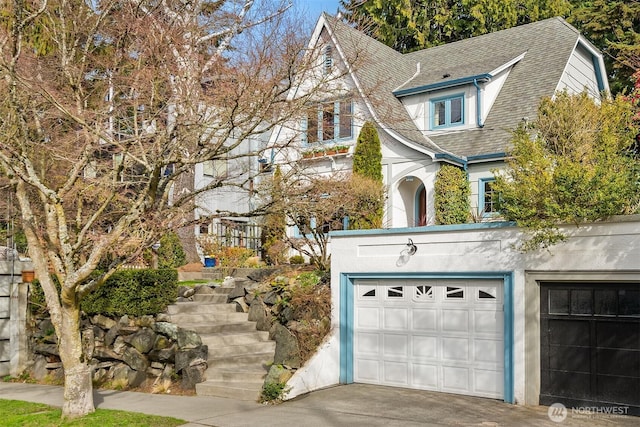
(327, 59)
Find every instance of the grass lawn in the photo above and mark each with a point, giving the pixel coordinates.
(26, 414)
(196, 282)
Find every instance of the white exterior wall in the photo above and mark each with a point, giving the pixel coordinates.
(580, 74)
(491, 90)
(602, 251)
(243, 163)
(476, 172)
(398, 163)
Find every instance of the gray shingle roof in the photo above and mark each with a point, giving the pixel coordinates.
(548, 45)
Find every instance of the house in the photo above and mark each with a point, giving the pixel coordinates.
(238, 168)
(458, 309)
(451, 104)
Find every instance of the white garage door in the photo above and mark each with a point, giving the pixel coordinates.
(443, 335)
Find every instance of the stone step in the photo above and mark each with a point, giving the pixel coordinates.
(242, 350)
(224, 338)
(214, 298)
(233, 390)
(252, 373)
(223, 290)
(213, 328)
(200, 308)
(230, 317)
(233, 361)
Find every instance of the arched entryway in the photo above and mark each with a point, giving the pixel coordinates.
(413, 203)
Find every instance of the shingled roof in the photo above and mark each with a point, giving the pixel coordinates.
(547, 46)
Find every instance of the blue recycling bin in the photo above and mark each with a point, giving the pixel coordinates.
(209, 261)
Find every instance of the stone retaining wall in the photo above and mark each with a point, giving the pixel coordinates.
(125, 352)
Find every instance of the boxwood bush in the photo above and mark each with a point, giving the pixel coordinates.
(131, 292)
(134, 292)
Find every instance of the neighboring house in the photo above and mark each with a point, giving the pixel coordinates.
(237, 197)
(455, 103)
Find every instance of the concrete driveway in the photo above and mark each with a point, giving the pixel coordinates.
(347, 405)
(367, 405)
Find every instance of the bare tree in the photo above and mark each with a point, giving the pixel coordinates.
(108, 106)
(316, 205)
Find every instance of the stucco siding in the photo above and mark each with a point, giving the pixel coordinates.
(476, 172)
(607, 250)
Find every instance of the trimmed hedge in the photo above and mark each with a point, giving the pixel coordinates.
(134, 292)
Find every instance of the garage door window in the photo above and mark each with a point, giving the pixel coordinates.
(629, 303)
(395, 292)
(599, 302)
(367, 291)
(488, 293)
(606, 302)
(455, 292)
(423, 293)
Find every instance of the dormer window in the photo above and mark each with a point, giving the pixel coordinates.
(448, 111)
(327, 59)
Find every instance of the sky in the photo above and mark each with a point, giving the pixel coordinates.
(315, 7)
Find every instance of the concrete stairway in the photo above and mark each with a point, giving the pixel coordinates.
(239, 355)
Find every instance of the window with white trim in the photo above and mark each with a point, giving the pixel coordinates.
(488, 203)
(446, 112)
(329, 121)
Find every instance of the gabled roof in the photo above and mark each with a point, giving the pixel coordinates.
(542, 50)
(378, 71)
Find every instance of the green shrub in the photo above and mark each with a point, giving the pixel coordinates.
(234, 257)
(37, 301)
(308, 278)
(367, 164)
(134, 292)
(296, 259)
(272, 392)
(170, 253)
(452, 191)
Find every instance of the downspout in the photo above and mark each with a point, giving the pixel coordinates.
(478, 102)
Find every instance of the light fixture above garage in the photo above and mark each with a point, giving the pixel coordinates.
(411, 248)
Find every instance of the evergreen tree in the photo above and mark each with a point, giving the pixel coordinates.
(367, 157)
(367, 163)
(452, 191)
(614, 27)
(274, 226)
(408, 25)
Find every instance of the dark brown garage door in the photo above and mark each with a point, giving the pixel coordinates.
(590, 344)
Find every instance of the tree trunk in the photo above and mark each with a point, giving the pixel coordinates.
(185, 184)
(78, 388)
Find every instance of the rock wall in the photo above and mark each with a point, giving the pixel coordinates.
(267, 304)
(125, 352)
